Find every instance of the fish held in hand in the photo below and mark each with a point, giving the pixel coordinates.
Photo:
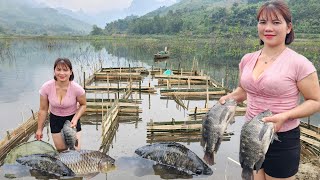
(214, 124)
(69, 135)
(175, 155)
(255, 139)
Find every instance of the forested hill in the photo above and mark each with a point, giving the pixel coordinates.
(212, 16)
(21, 18)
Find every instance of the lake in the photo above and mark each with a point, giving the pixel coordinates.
(25, 64)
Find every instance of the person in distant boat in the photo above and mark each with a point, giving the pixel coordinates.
(65, 99)
(273, 78)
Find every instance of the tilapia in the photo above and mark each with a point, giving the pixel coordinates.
(46, 163)
(255, 139)
(214, 124)
(174, 155)
(69, 135)
(84, 162)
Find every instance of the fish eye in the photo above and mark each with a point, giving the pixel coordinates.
(198, 171)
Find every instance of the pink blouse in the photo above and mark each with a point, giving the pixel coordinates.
(68, 104)
(276, 88)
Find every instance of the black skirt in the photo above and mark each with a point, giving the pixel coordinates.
(283, 157)
(57, 122)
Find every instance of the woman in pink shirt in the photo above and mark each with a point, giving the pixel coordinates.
(273, 78)
(66, 101)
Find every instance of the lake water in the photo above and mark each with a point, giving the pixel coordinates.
(26, 64)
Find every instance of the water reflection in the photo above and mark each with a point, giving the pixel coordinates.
(26, 64)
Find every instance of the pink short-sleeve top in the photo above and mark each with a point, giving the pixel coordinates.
(276, 88)
(68, 104)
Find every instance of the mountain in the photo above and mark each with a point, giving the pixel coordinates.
(137, 7)
(141, 7)
(24, 18)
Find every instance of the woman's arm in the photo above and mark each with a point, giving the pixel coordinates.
(309, 88)
(83, 105)
(42, 115)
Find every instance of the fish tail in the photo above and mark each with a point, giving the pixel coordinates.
(209, 157)
(247, 174)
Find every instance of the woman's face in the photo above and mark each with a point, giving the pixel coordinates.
(273, 29)
(62, 72)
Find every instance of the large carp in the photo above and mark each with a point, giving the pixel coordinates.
(214, 125)
(174, 155)
(255, 139)
(69, 135)
(46, 163)
(84, 162)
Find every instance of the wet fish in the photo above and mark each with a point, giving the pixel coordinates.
(255, 139)
(85, 162)
(46, 163)
(69, 135)
(174, 155)
(214, 125)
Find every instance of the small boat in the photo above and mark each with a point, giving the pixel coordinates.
(162, 54)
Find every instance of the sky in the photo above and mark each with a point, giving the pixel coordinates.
(89, 6)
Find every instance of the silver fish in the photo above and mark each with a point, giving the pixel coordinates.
(214, 125)
(255, 139)
(84, 162)
(174, 155)
(69, 135)
(46, 163)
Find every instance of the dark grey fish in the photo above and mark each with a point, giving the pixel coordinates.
(46, 163)
(255, 139)
(85, 162)
(214, 125)
(69, 135)
(174, 155)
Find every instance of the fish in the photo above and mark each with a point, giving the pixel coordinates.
(46, 163)
(174, 155)
(255, 139)
(69, 135)
(86, 162)
(214, 124)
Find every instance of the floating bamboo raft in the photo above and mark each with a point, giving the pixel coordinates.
(177, 131)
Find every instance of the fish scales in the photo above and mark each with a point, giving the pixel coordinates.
(46, 163)
(69, 135)
(255, 139)
(174, 155)
(214, 125)
(86, 161)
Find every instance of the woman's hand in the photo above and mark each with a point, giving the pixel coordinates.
(223, 99)
(39, 134)
(74, 123)
(278, 120)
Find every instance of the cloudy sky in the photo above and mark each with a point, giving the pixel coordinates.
(90, 6)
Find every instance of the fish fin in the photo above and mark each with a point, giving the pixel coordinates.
(258, 164)
(203, 142)
(263, 131)
(275, 137)
(217, 145)
(90, 176)
(247, 173)
(76, 143)
(209, 158)
(233, 120)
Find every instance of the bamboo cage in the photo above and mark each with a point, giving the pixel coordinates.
(19, 135)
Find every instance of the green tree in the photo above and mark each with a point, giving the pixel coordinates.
(96, 30)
